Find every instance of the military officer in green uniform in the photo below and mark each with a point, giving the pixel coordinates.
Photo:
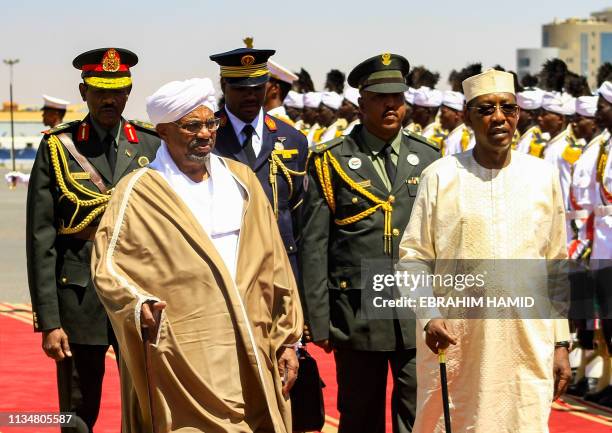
(76, 168)
(360, 189)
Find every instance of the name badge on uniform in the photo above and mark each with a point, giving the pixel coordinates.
(365, 183)
(413, 159)
(80, 175)
(286, 154)
(354, 163)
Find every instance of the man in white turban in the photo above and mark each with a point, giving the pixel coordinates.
(188, 260)
(472, 208)
(460, 138)
(332, 124)
(532, 138)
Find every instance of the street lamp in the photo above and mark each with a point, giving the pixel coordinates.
(10, 63)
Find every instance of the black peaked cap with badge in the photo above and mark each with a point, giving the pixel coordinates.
(385, 73)
(244, 67)
(106, 68)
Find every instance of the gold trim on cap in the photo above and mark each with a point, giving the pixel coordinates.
(108, 83)
(251, 71)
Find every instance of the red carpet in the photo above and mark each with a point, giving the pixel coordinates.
(27, 384)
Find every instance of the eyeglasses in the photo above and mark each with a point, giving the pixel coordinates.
(489, 109)
(194, 127)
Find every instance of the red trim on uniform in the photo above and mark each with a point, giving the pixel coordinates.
(607, 195)
(223, 120)
(83, 132)
(130, 132)
(590, 226)
(270, 123)
(98, 68)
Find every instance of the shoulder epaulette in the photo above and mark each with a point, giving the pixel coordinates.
(143, 125)
(285, 120)
(322, 147)
(61, 127)
(422, 139)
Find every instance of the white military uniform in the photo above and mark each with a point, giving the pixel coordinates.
(583, 195)
(459, 140)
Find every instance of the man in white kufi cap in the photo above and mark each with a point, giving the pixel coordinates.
(167, 249)
(460, 138)
(53, 110)
(530, 103)
(502, 369)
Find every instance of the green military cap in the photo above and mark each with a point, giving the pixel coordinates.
(385, 73)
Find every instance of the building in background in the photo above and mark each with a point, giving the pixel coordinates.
(530, 60)
(582, 43)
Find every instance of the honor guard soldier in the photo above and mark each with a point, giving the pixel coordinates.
(275, 151)
(360, 189)
(76, 168)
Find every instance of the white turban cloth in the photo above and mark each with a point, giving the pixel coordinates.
(454, 100)
(586, 106)
(294, 99)
(175, 99)
(605, 90)
(560, 103)
(426, 97)
(352, 95)
(530, 99)
(312, 99)
(409, 95)
(332, 100)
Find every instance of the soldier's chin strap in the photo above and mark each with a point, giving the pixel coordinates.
(322, 166)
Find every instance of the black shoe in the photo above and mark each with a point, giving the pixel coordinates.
(605, 401)
(579, 388)
(596, 397)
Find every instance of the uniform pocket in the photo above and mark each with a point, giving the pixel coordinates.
(74, 274)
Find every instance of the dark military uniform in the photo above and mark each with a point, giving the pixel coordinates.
(357, 202)
(331, 267)
(63, 210)
(281, 161)
(279, 167)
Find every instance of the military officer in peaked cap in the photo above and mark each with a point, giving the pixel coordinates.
(275, 150)
(360, 189)
(76, 168)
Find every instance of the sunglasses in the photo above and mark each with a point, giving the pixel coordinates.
(489, 109)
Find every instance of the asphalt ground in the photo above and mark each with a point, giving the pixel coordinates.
(13, 273)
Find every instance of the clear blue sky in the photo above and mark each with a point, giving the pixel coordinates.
(174, 38)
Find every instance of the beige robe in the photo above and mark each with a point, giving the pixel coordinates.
(214, 362)
(500, 374)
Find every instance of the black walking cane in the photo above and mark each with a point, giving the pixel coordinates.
(444, 385)
(148, 338)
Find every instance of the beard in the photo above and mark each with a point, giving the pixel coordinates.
(195, 156)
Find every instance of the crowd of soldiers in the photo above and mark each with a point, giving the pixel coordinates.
(290, 135)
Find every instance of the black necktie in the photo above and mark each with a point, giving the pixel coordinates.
(390, 168)
(111, 151)
(247, 145)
